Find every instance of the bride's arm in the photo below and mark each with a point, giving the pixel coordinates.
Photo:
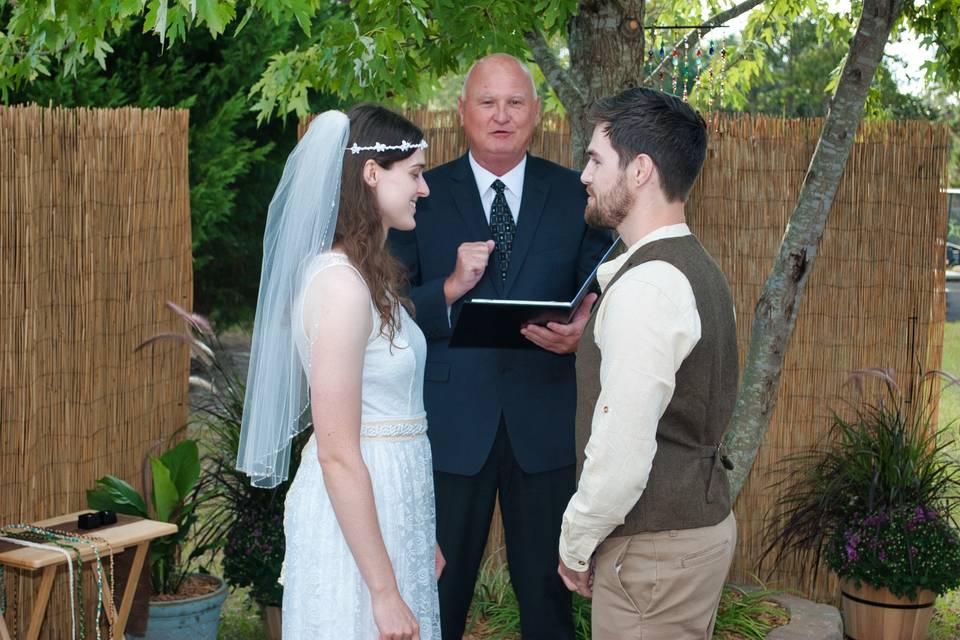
(338, 327)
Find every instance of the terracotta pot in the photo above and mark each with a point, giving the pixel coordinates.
(272, 622)
(876, 614)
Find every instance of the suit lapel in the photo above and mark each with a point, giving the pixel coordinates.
(466, 198)
(535, 189)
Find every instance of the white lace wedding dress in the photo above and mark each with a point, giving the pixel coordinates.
(324, 595)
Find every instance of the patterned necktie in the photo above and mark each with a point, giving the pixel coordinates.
(502, 228)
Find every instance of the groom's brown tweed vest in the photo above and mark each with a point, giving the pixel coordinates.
(688, 485)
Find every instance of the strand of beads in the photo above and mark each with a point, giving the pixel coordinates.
(66, 554)
(712, 78)
(92, 542)
(723, 71)
(699, 62)
(14, 608)
(62, 538)
(675, 55)
(660, 65)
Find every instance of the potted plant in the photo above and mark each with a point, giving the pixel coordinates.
(241, 522)
(876, 502)
(185, 605)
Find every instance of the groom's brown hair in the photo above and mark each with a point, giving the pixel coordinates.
(660, 125)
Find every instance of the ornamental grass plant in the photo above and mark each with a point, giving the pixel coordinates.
(877, 500)
(242, 522)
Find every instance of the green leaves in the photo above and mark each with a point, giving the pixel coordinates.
(175, 476)
(385, 50)
(175, 494)
(215, 14)
(165, 494)
(116, 495)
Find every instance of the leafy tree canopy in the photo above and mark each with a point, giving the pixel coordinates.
(393, 50)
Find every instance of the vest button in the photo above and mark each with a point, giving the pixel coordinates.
(606, 409)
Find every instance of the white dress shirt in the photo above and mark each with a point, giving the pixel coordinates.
(513, 180)
(646, 325)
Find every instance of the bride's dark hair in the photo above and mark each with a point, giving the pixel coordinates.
(359, 227)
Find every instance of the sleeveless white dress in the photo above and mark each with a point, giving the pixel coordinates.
(324, 595)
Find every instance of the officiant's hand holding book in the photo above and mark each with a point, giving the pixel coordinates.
(527, 324)
(561, 337)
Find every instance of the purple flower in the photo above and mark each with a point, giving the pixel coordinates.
(883, 556)
(851, 547)
(913, 552)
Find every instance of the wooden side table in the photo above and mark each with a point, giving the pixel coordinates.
(128, 532)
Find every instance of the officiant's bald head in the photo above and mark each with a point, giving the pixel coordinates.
(499, 110)
(500, 59)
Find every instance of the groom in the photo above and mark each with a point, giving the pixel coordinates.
(649, 532)
(500, 223)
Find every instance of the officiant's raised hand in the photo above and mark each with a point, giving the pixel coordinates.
(561, 338)
(472, 259)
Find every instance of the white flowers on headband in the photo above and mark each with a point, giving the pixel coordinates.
(379, 147)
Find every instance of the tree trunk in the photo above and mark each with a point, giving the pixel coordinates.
(606, 56)
(606, 43)
(776, 311)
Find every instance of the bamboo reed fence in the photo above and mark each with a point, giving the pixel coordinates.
(94, 238)
(875, 298)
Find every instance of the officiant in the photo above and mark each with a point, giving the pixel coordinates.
(501, 224)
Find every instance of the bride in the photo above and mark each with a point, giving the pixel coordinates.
(361, 557)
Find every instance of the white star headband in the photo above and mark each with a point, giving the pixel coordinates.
(379, 147)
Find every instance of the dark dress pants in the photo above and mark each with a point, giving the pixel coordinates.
(532, 506)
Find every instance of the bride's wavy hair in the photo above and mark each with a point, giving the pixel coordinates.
(359, 225)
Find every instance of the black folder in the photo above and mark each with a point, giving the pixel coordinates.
(496, 323)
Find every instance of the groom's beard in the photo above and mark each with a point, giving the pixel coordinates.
(609, 209)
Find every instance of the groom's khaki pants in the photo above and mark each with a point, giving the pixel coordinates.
(661, 586)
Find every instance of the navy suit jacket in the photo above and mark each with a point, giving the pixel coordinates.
(466, 390)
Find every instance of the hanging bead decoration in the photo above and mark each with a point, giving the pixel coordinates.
(723, 68)
(75, 586)
(660, 62)
(699, 61)
(67, 540)
(691, 61)
(14, 610)
(676, 68)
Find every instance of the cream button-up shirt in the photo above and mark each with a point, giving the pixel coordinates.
(646, 325)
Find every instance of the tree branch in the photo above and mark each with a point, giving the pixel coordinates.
(776, 312)
(559, 77)
(694, 34)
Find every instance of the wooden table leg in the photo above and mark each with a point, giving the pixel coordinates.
(109, 610)
(40, 605)
(127, 602)
(4, 632)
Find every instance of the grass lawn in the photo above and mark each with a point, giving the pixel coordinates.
(950, 401)
(946, 620)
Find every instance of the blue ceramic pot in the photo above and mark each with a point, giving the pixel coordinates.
(195, 618)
